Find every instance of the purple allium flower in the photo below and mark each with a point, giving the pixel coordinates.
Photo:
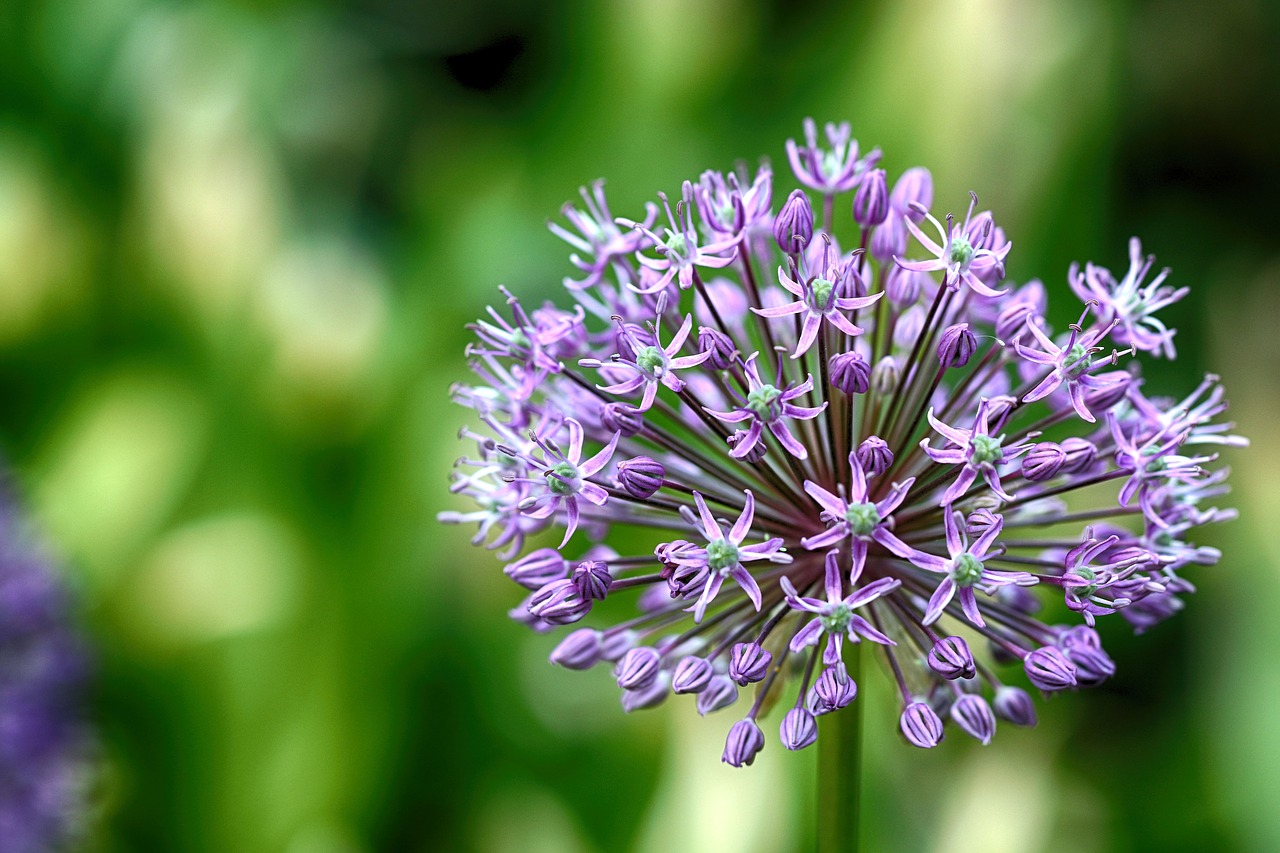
(870, 449)
(45, 745)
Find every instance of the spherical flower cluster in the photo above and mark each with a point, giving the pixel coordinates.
(889, 444)
(43, 739)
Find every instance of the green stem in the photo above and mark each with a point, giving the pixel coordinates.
(840, 768)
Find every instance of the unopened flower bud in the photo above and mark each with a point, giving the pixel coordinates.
(592, 578)
(1043, 462)
(950, 657)
(850, 373)
(884, 377)
(749, 663)
(915, 185)
(973, 715)
(890, 237)
(641, 476)
(793, 227)
(649, 696)
(833, 690)
(874, 456)
(871, 201)
(1049, 669)
(559, 603)
(579, 650)
(798, 729)
(1080, 454)
(720, 692)
(957, 345)
(1015, 705)
(744, 741)
(921, 725)
(638, 668)
(901, 285)
(692, 675)
(755, 454)
(720, 346)
(621, 418)
(537, 568)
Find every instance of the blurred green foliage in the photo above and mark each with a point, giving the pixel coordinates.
(240, 244)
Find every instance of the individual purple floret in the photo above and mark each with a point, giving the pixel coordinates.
(767, 405)
(866, 447)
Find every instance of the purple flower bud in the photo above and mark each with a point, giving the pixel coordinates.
(950, 658)
(559, 603)
(850, 373)
(755, 454)
(915, 185)
(1049, 669)
(720, 346)
(884, 376)
(638, 668)
(1080, 454)
(692, 675)
(871, 201)
(619, 417)
(798, 729)
(1015, 705)
(833, 691)
(592, 579)
(646, 697)
(889, 238)
(1102, 399)
(1012, 319)
(537, 568)
(580, 650)
(902, 286)
(720, 692)
(744, 741)
(641, 476)
(749, 663)
(1020, 599)
(613, 645)
(874, 456)
(793, 228)
(973, 715)
(1083, 648)
(957, 345)
(921, 725)
(1043, 462)
(980, 521)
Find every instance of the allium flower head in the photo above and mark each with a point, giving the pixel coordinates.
(826, 447)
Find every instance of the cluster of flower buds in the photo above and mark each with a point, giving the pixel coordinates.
(888, 443)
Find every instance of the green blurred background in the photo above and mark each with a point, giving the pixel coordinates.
(240, 242)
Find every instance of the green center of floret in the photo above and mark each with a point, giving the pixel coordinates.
(721, 554)
(820, 292)
(837, 621)
(760, 400)
(961, 251)
(562, 478)
(966, 571)
(651, 359)
(985, 450)
(1156, 465)
(832, 163)
(519, 340)
(1078, 361)
(676, 245)
(863, 518)
(1086, 574)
